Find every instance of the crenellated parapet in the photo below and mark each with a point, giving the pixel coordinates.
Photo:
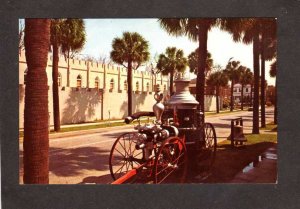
(89, 74)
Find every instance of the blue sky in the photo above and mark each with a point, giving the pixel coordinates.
(101, 32)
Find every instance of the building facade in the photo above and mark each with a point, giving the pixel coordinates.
(237, 92)
(91, 91)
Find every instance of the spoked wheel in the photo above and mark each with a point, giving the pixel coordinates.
(208, 148)
(124, 156)
(170, 164)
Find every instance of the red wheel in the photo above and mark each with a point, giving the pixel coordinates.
(124, 156)
(170, 164)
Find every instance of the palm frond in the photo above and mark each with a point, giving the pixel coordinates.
(130, 47)
(172, 60)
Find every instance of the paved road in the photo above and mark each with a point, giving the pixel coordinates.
(84, 158)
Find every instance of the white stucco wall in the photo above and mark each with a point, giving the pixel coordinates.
(85, 104)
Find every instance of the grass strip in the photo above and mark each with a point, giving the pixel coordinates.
(229, 161)
(111, 123)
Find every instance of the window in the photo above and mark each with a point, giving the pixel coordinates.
(25, 74)
(125, 85)
(97, 83)
(165, 87)
(147, 87)
(78, 84)
(112, 83)
(247, 90)
(59, 79)
(137, 86)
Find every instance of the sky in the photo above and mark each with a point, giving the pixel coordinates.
(101, 32)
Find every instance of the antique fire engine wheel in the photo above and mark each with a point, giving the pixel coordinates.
(124, 156)
(170, 164)
(207, 153)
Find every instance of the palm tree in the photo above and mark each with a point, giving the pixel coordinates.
(248, 30)
(217, 79)
(233, 75)
(268, 52)
(171, 62)
(131, 49)
(246, 77)
(196, 29)
(36, 138)
(55, 40)
(193, 62)
(73, 40)
(273, 73)
(69, 35)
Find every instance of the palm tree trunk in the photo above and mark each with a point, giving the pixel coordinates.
(242, 95)
(36, 138)
(129, 79)
(255, 127)
(56, 114)
(171, 82)
(262, 93)
(231, 96)
(217, 101)
(203, 30)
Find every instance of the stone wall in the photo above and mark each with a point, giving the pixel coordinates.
(88, 104)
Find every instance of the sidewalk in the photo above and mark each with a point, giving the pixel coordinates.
(262, 170)
(87, 131)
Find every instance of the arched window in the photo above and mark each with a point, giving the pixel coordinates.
(112, 83)
(59, 79)
(78, 84)
(137, 86)
(97, 82)
(165, 87)
(25, 74)
(125, 85)
(147, 87)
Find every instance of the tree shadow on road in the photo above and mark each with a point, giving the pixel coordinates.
(244, 119)
(221, 125)
(72, 162)
(114, 135)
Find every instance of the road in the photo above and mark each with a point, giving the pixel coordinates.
(84, 158)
